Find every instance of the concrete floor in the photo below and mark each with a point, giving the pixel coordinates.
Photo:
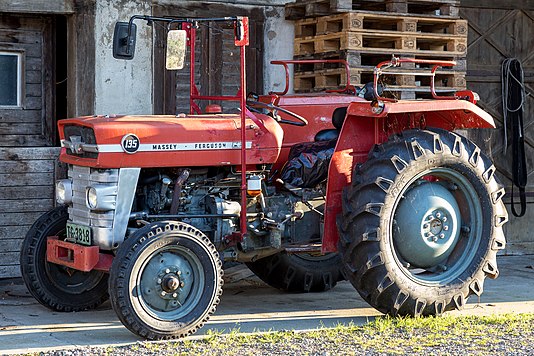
(247, 304)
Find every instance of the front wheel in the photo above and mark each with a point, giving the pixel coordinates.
(57, 287)
(422, 223)
(165, 281)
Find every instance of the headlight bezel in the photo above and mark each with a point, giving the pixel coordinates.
(63, 193)
(101, 197)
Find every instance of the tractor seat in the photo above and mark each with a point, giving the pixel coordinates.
(338, 117)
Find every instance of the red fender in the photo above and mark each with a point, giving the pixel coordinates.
(364, 128)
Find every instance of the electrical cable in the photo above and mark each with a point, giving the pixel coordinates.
(513, 102)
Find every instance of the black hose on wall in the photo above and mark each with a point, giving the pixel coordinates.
(513, 102)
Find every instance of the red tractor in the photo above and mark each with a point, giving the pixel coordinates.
(305, 189)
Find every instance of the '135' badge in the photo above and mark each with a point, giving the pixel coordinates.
(130, 143)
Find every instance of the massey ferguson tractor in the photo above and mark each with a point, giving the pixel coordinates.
(305, 189)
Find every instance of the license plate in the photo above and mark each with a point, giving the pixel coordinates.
(79, 233)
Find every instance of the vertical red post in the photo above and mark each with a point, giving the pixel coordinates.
(192, 88)
(243, 104)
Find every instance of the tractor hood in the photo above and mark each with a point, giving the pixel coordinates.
(168, 141)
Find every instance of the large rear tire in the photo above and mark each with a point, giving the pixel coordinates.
(165, 281)
(57, 287)
(422, 223)
(299, 273)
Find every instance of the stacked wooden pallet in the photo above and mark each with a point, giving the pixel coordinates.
(364, 38)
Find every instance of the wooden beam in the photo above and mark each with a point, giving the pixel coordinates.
(499, 4)
(38, 6)
(81, 64)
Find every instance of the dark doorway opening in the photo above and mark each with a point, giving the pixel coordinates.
(61, 65)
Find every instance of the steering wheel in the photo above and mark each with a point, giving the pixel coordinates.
(273, 109)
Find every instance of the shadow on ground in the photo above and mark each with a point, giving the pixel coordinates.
(247, 304)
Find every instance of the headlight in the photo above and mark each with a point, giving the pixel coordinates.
(64, 191)
(92, 198)
(101, 197)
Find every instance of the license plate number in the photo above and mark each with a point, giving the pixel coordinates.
(79, 233)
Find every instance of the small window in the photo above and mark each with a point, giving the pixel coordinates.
(10, 79)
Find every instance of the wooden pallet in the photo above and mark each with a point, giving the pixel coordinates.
(368, 60)
(313, 8)
(368, 40)
(383, 22)
(335, 78)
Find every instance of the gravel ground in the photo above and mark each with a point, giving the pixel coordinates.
(501, 335)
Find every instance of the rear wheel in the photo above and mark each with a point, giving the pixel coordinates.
(422, 223)
(57, 287)
(165, 281)
(299, 273)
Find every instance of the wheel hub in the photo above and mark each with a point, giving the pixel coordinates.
(170, 282)
(167, 281)
(427, 225)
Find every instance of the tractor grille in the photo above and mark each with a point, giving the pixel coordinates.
(100, 222)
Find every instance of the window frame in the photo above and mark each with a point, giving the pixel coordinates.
(20, 77)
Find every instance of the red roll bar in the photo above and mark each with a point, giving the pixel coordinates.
(396, 62)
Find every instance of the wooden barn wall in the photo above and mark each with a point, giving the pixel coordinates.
(27, 164)
(500, 30)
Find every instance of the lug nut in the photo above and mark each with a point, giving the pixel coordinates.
(446, 227)
(167, 271)
(430, 217)
(425, 226)
(163, 293)
(174, 295)
(435, 239)
(182, 284)
(179, 272)
(441, 236)
(444, 219)
(159, 280)
(438, 215)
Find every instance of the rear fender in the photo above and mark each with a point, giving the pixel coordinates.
(363, 128)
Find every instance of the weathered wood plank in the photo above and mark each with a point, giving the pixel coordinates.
(12, 180)
(9, 258)
(7, 219)
(30, 50)
(37, 166)
(499, 4)
(24, 141)
(9, 235)
(29, 205)
(34, 90)
(10, 244)
(38, 6)
(20, 36)
(21, 116)
(20, 129)
(28, 192)
(9, 271)
(23, 153)
(33, 64)
(34, 77)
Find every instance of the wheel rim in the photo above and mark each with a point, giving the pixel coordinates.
(170, 283)
(436, 226)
